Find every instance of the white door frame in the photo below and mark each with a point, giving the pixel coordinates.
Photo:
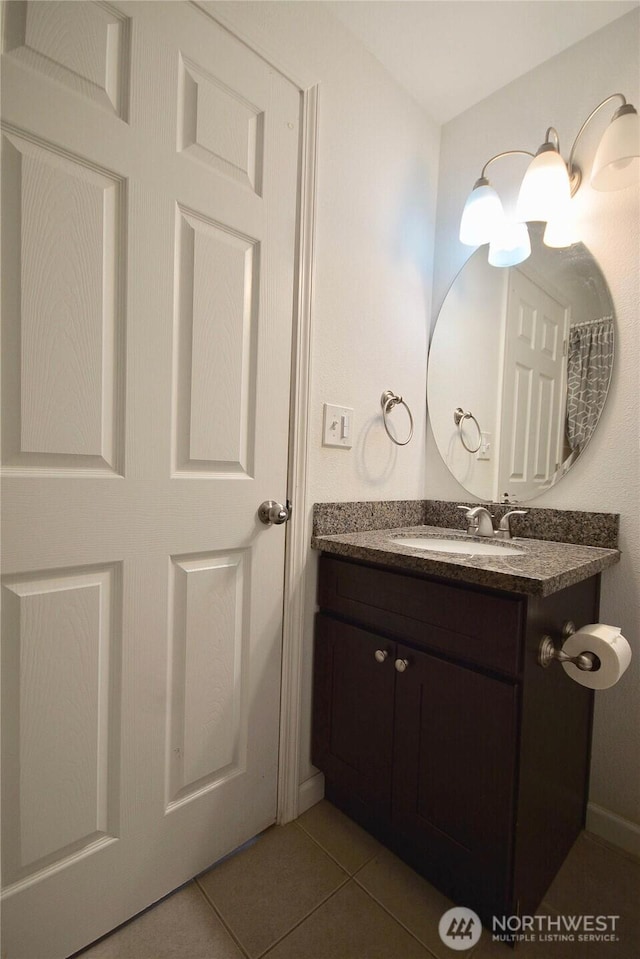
(297, 547)
(297, 537)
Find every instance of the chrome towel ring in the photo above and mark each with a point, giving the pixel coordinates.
(387, 401)
(459, 416)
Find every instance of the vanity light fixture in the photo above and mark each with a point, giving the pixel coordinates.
(547, 188)
(482, 214)
(560, 231)
(510, 245)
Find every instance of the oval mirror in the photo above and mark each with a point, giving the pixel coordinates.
(519, 367)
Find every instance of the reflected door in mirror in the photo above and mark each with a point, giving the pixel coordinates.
(534, 387)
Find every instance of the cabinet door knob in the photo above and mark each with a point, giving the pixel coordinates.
(381, 655)
(401, 665)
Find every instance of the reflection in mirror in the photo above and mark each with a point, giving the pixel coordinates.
(526, 354)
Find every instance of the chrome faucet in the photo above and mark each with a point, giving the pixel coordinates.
(504, 529)
(478, 520)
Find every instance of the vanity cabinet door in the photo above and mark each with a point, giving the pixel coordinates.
(353, 719)
(454, 778)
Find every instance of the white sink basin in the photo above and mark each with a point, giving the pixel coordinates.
(462, 547)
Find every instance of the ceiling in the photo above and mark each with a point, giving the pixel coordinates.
(450, 54)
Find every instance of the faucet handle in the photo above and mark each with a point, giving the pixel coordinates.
(504, 529)
(504, 522)
(478, 510)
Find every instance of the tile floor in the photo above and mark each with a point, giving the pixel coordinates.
(321, 888)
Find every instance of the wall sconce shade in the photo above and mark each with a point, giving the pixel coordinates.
(510, 245)
(545, 188)
(482, 214)
(617, 160)
(560, 231)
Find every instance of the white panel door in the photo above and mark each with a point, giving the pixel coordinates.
(149, 207)
(534, 387)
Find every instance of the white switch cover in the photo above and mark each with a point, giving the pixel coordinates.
(337, 428)
(484, 453)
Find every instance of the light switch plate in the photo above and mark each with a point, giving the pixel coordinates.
(484, 453)
(337, 426)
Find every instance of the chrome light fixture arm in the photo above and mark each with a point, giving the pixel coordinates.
(506, 153)
(552, 130)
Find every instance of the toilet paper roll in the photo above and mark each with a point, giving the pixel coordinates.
(611, 648)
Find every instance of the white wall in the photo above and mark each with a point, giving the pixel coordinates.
(377, 175)
(563, 92)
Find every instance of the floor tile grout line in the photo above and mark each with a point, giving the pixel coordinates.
(397, 919)
(354, 876)
(210, 902)
(213, 908)
(347, 878)
(331, 856)
(244, 950)
(344, 882)
(366, 891)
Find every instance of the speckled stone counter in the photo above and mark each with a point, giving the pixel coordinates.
(557, 525)
(541, 569)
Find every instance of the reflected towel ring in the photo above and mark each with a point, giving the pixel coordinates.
(387, 401)
(459, 416)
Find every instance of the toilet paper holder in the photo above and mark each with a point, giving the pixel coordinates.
(548, 652)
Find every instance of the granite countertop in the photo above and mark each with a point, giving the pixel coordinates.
(543, 568)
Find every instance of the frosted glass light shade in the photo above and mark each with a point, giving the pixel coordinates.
(561, 230)
(545, 187)
(617, 161)
(511, 245)
(482, 214)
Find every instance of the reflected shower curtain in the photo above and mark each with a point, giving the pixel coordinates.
(589, 365)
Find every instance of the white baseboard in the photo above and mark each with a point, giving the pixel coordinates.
(310, 792)
(613, 829)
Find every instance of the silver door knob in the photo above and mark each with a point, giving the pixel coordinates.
(381, 655)
(401, 665)
(274, 513)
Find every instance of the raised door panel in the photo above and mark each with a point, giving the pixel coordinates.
(353, 718)
(545, 436)
(219, 127)
(215, 341)
(454, 777)
(63, 330)
(519, 441)
(82, 45)
(61, 717)
(208, 722)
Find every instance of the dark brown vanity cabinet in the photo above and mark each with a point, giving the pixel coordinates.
(437, 730)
